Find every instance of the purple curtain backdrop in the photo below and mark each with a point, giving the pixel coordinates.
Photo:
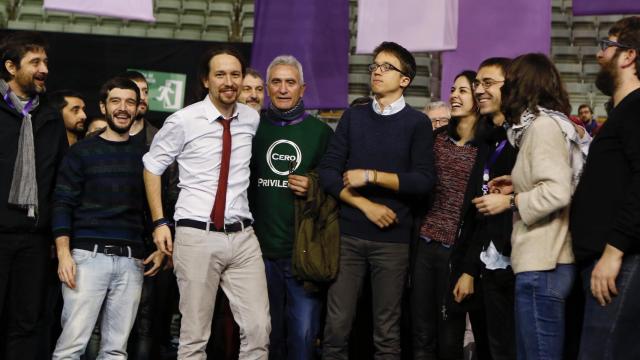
(491, 28)
(601, 7)
(125, 9)
(316, 32)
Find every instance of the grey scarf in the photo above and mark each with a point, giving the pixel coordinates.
(24, 186)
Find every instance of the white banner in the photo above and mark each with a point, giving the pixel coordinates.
(125, 9)
(418, 25)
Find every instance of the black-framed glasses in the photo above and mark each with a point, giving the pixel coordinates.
(384, 67)
(606, 43)
(486, 83)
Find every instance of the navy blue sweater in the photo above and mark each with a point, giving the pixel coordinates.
(99, 195)
(401, 143)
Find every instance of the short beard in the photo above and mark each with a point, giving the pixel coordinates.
(112, 125)
(78, 131)
(606, 79)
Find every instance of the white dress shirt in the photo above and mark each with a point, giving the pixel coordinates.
(393, 108)
(193, 138)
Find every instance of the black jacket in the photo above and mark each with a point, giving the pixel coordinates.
(486, 229)
(50, 141)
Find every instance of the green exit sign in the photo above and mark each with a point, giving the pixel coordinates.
(166, 90)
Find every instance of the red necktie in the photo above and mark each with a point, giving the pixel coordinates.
(217, 214)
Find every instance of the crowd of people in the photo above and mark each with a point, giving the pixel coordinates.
(492, 208)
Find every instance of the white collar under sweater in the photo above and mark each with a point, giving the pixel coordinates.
(393, 108)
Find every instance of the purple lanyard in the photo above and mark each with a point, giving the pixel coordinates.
(290, 122)
(26, 108)
(489, 164)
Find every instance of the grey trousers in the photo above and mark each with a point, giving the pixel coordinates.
(388, 263)
(205, 259)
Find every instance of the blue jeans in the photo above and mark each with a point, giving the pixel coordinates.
(295, 313)
(611, 332)
(115, 281)
(539, 306)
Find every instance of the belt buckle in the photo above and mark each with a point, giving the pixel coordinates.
(108, 250)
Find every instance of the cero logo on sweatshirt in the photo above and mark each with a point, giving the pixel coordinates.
(281, 155)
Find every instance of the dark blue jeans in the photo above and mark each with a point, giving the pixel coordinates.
(611, 332)
(539, 307)
(295, 313)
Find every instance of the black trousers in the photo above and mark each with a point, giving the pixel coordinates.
(24, 260)
(438, 332)
(387, 263)
(499, 289)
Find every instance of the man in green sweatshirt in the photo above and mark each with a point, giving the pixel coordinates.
(289, 143)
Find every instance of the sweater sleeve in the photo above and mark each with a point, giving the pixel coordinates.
(334, 160)
(419, 180)
(550, 172)
(67, 193)
(626, 228)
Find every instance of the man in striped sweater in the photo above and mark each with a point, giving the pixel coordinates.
(98, 225)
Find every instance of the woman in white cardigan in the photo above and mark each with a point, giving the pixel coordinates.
(547, 168)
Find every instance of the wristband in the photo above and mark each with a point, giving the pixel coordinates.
(366, 176)
(512, 202)
(375, 177)
(160, 222)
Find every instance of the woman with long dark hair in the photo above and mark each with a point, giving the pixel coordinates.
(437, 329)
(548, 165)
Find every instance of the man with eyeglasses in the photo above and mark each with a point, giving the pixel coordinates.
(492, 239)
(604, 224)
(379, 160)
(439, 113)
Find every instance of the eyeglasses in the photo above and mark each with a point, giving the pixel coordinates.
(384, 67)
(606, 43)
(486, 83)
(440, 121)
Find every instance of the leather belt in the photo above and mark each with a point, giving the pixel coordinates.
(112, 250)
(208, 226)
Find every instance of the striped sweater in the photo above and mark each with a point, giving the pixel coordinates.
(99, 194)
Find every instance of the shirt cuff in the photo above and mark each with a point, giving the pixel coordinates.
(152, 165)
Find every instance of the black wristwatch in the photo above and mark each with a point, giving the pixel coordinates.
(512, 202)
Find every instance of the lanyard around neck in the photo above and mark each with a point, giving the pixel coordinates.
(489, 164)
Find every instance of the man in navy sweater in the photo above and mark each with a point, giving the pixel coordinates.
(98, 226)
(379, 160)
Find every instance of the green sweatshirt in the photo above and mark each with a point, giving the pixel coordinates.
(275, 150)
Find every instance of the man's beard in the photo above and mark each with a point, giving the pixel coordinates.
(606, 79)
(78, 130)
(223, 99)
(141, 113)
(29, 86)
(112, 125)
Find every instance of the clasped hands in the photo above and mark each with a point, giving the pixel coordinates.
(379, 214)
(498, 200)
